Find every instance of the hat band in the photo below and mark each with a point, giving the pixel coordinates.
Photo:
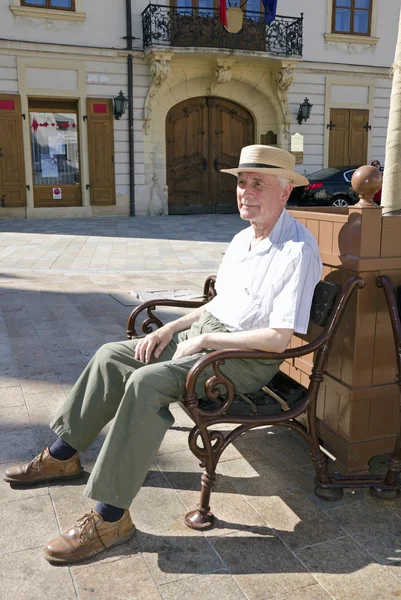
(257, 166)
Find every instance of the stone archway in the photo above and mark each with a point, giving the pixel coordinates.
(204, 135)
(255, 90)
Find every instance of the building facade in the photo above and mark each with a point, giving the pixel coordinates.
(198, 92)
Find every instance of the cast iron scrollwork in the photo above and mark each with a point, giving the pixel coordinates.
(151, 320)
(180, 26)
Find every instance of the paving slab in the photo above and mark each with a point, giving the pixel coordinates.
(26, 575)
(347, 571)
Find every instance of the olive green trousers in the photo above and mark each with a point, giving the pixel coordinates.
(136, 396)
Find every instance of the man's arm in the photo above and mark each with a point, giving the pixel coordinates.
(156, 342)
(267, 340)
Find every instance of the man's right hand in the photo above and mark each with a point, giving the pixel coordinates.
(154, 343)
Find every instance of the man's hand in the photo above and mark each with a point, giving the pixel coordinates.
(154, 343)
(191, 346)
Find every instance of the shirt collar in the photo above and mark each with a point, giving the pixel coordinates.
(276, 236)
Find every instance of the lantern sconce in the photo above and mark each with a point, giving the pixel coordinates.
(304, 111)
(120, 104)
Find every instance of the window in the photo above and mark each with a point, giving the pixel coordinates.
(348, 175)
(57, 4)
(352, 16)
(54, 143)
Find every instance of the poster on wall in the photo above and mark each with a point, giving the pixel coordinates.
(56, 144)
(57, 195)
(49, 167)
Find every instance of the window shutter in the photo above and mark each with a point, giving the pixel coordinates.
(12, 165)
(101, 151)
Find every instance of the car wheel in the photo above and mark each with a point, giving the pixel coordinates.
(341, 201)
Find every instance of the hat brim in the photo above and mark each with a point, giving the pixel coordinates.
(296, 178)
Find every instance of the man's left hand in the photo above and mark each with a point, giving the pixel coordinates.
(191, 346)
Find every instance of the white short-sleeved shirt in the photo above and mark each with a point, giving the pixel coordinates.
(271, 285)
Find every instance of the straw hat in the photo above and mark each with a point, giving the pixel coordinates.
(269, 160)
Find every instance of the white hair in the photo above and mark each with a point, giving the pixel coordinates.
(283, 181)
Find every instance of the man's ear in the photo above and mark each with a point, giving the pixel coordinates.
(287, 191)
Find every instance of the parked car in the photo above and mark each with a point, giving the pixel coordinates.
(327, 187)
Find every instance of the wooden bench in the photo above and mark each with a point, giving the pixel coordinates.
(284, 399)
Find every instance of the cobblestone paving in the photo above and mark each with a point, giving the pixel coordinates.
(273, 538)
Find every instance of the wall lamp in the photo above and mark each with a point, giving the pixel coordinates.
(120, 104)
(304, 111)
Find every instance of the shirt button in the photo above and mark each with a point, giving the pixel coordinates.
(246, 291)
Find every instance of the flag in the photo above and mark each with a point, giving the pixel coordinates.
(222, 12)
(270, 10)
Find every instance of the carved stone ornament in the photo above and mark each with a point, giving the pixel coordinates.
(49, 24)
(350, 48)
(283, 80)
(222, 74)
(160, 68)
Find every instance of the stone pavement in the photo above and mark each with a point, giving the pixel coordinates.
(193, 243)
(273, 538)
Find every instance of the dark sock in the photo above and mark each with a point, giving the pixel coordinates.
(60, 450)
(108, 512)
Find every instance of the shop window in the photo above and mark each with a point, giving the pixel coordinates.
(352, 17)
(297, 147)
(55, 152)
(56, 4)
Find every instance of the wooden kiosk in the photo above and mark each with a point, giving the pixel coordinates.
(359, 402)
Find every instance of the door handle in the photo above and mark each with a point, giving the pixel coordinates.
(216, 164)
(1, 153)
(3, 200)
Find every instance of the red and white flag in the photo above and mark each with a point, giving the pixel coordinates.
(223, 12)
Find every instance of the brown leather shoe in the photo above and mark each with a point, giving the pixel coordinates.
(45, 468)
(89, 536)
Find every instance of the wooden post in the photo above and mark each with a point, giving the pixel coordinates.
(358, 406)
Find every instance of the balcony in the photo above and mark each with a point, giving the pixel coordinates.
(188, 27)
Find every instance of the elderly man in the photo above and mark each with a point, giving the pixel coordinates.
(264, 292)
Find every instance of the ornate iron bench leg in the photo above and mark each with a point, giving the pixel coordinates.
(394, 464)
(324, 488)
(202, 518)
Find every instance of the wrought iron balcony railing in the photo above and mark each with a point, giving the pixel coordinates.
(183, 26)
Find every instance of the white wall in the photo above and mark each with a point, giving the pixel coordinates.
(311, 85)
(8, 74)
(104, 26)
(315, 48)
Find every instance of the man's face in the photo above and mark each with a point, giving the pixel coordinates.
(260, 197)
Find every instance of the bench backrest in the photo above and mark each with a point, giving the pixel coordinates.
(324, 297)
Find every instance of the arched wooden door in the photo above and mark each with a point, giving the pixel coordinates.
(205, 135)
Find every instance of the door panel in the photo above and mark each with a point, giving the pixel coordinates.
(101, 151)
(359, 137)
(205, 135)
(187, 156)
(231, 128)
(12, 171)
(349, 137)
(339, 137)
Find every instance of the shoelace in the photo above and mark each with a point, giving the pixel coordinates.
(88, 518)
(36, 462)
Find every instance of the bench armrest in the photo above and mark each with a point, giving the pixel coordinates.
(150, 306)
(208, 293)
